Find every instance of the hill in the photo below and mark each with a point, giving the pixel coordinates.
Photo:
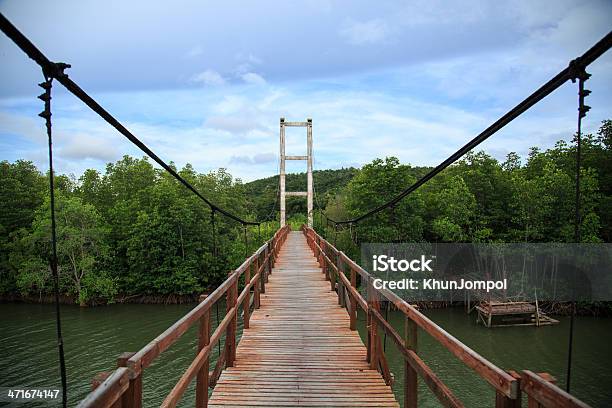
(263, 193)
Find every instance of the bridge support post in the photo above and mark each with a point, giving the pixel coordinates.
(246, 304)
(283, 214)
(309, 197)
(269, 259)
(353, 307)
(283, 157)
(230, 334)
(372, 328)
(132, 398)
(410, 374)
(203, 341)
(256, 296)
(262, 279)
(501, 401)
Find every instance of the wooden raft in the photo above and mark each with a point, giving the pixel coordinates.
(299, 350)
(512, 314)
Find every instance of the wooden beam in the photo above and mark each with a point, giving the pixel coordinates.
(439, 389)
(543, 393)
(109, 392)
(202, 375)
(196, 365)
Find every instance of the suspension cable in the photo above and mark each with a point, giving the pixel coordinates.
(46, 114)
(562, 77)
(56, 71)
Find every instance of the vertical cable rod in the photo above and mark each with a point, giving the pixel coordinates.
(582, 76)
(46, 114)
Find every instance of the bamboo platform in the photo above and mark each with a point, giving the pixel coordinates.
(299, 349)
(505, 314)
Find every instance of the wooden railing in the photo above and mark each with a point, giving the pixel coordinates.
(123, 387)
(508, 385)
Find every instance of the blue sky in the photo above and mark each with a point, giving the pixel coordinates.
(206, 82)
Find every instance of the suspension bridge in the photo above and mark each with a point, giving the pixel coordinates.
(299, 297)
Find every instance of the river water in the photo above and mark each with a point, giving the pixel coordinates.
(94, 337)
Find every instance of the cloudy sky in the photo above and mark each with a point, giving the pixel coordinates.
(206, 82)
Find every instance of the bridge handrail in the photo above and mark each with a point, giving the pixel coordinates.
(538, 388)
(502, 381)
(542, 393)
(123, 387)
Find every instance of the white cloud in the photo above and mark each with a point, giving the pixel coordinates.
(208, 77)
(233, 124)
(367, 32)
(253, 78)
(195, 52)
(427, 77)
(31, 128)
(83, 146)
(259, 158)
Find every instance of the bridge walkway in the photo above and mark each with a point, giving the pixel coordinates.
(299, 350)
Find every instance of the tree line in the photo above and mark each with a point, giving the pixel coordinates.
(481, 199)
(130, 233)
(133, 233)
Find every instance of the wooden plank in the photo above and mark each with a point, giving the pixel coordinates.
(299, 349)
(202, 376)
(541, 392)
(109, 392)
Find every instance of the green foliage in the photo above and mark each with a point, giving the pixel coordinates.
(481, 200)
(22, 190)
(263, 194)
(81, 250)
(133, 230)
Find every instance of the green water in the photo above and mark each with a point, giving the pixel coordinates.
(95, 336)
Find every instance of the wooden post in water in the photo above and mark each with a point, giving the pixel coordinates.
(203, 341)
(410, 374)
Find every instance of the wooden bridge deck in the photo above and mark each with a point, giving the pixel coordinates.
(299, 350)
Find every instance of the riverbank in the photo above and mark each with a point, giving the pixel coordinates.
(595, 309)
(130, 299)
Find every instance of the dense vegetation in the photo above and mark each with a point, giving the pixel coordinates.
(131, 232)
(263, 193)
(134, 233)
(480, 199)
